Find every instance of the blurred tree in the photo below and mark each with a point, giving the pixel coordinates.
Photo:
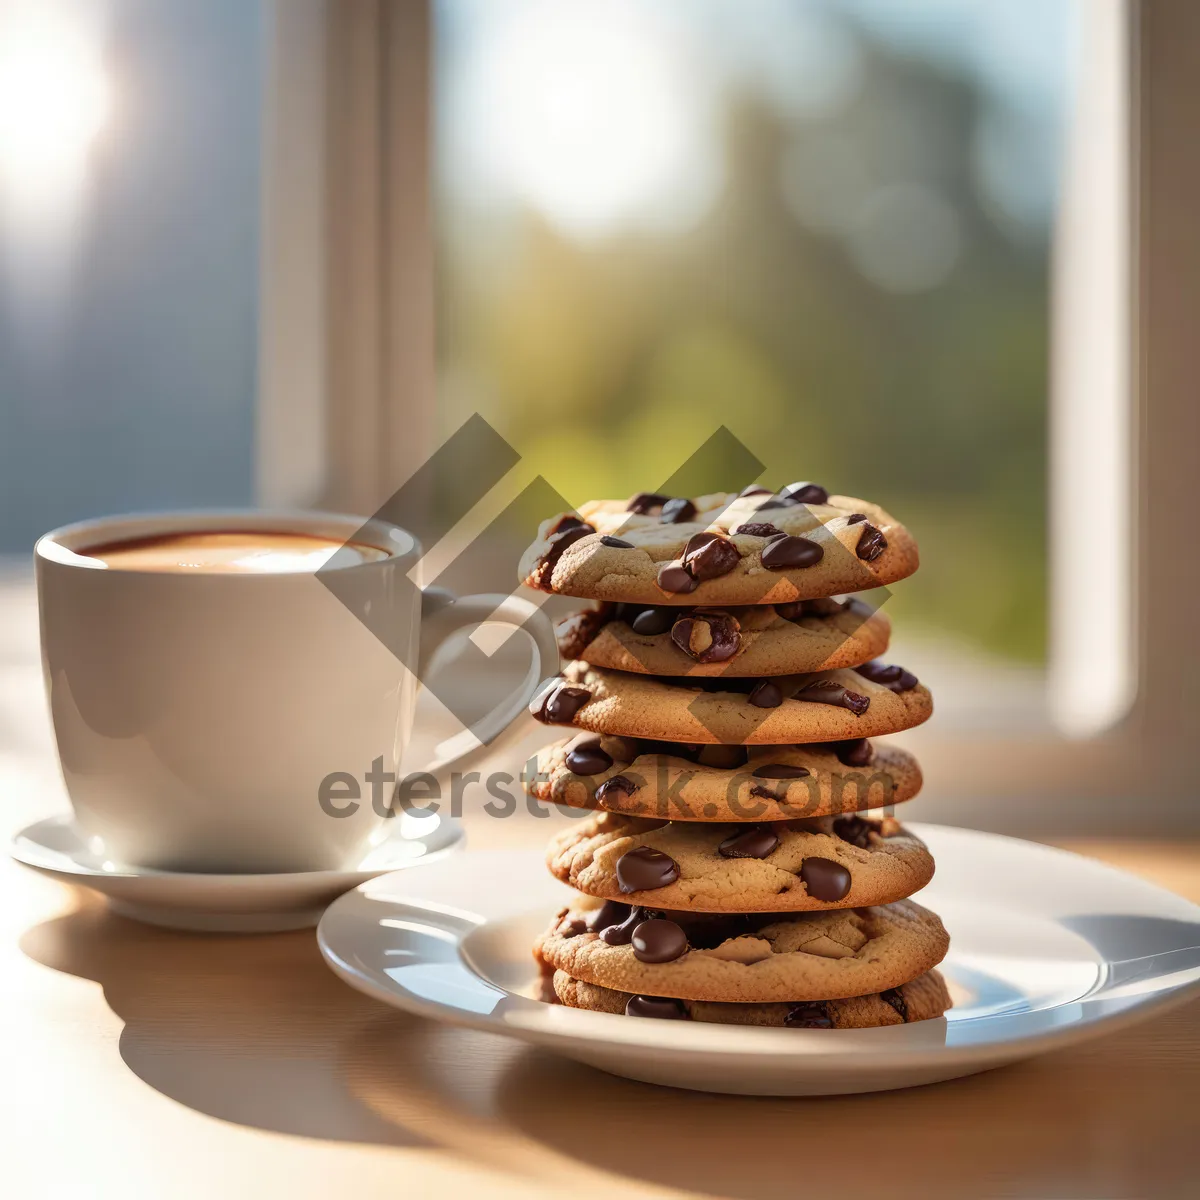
(849, 306)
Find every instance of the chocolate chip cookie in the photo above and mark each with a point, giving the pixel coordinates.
(722, 692)
(784, 866)
(779, 639)
(679, 782)
(866, 701)
(746, 959)
(758, 547)
(921, 999)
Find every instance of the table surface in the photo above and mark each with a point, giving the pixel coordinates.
(136, 1062)
(141, 1062)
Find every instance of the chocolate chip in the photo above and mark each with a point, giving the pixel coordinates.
(567, 521)
(677, 512)
(618, 783)
(766, 694)
(656, 1006)
(558, 543)
(722, 758)
(649, 621)
(871, 543)
(826, 880)
(643, 869)
(611, 912)
(895, 679)
(588, 758)
(854, 830)
(809, 1016)
(895, 997)
(805, 493)
(756, 489)
(758, 529)
(790, 553)
(645, 502)
(658, 941)
(756, 842)
(765, 793)
(615, 542)
(707, 635)
(856, 518)
(708, 555)
(792, 611)
(857, 752)
(564, 703)
(574, 928)
(622, 934)
(826, 691)
(781, 771)
(673, 578)
(560, 705)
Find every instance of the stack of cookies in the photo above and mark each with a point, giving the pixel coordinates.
(727, 697)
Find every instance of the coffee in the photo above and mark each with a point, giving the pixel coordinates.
(242, 551)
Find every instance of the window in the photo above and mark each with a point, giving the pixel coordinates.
(129, 229)
(826, 225)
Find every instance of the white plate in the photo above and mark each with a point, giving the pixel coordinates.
(265, 903)
(1048, 949)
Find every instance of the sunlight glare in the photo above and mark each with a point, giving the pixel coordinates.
(584, 115)
(54, 100)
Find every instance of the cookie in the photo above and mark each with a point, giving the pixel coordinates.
(756, 548)
(829, 706)
(781, 639)
(745, 959)
(785, 866)
(921, 999)
(677, 782)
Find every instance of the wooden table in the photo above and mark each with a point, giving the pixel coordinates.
(136, 1062)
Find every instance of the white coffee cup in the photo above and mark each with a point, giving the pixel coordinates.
(197, 713)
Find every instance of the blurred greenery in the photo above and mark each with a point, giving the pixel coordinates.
(608, 361)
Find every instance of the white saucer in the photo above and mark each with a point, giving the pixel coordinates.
(1048, 949)
(225, 903)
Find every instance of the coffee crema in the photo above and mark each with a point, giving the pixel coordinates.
(235, 551)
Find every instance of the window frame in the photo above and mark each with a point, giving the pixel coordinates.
(347, 363)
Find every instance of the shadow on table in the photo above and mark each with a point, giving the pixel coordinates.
(1053, 1128)
(1113, 1118)
(256, 1030)
(248, 1029)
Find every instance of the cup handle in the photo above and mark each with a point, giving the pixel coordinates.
(443, 614)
